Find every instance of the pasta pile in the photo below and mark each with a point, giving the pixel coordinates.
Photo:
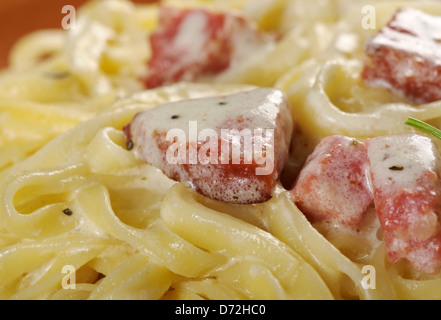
(82, 218)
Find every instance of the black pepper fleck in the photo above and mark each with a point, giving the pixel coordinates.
(222, 103)
(67, 212)
(175, 116)
(396, 168)
(129, 145)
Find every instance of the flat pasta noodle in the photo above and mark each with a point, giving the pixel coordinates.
(82, 218)
(236, 239)
(34, 270)
(320, 113)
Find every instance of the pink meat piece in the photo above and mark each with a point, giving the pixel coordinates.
(333, 185)
(193, 44)
(405, 173)
(405, 56)
(219, 172)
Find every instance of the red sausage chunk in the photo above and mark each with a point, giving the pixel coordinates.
(231, 148)
(195, 44)
(333, 185)
(406, 171)
(405, 56)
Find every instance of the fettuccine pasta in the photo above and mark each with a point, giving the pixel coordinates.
(82, 218)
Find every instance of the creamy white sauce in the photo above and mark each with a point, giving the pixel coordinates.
(260, 105)
(192, 35)
(420, 33)
(257, 108)
(247, 42)
(398, 161)
(418, 22)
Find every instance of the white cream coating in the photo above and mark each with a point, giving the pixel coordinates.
(417, 32)
(192, 36)
(247, 41)
(400, 165)
(418, 22)
(263, 108)
(244, 38)
(414, 153)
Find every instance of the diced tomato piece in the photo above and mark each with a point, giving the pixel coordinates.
(405, 56)
(406, 171)
(333, 185)
(193, 44)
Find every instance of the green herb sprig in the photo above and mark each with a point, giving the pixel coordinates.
(424, 127)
